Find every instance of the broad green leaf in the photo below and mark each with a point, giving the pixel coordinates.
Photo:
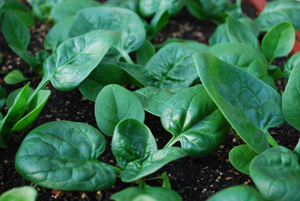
(42, 8)
(237, 193)
(15, 77)
(195, 8)
(220, 35)
(147, 193)
(12, 96)
(240, 33)
(192, 118)
(235, 53)
(1, 3)
(124, 21)
(172, 67)
(153, 163)
(200, 46)
(42, 55)
(291, 63)
(153, 99)
(297, 149)
(114, 104)
(63, 155)
(69, 8)
(129, 4)
(249, 105)
(132, 141)
(291, 97)
(253, 25)
(276, 174)
(158, 22)
(3, 95)
(77, 57)
(240, 157)
(279, 41)
(58, 33)
(15, 31)
(145, 53)
(104, 74)
(149, 7)
(25, 193)
(34, 108)
(279, 11)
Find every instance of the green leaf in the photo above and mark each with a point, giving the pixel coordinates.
(149, 7)
(249, 105)
(124, 21)
(42, 55)
(297, 149)
(42, 8)
(200, 46)
(237, 193)
(154, 162)
(153, 99)
(25, 193)
(129, 4)
(63, 155)
(192, 118)
(114, 104)
(291, 97)
(145, 53)
(240, 157)
(279, 41)
(240, 33)
(15, 77)
(172, 67)
(3, 95)
(15, 31)
(12, 96)
(104, 74)
(276, 174)
(279, 11)
(132, 141)
(291, 63)
(34, 108)
(220, 35)
(77, 57)
(69, 8)
(158, 22)
(146, 194)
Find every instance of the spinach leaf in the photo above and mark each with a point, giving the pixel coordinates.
(240, 157)
(220, 35)
(149, 7)
(153, 99)
(192, 118)
(63, 155)
(15, 77)
(158, 22)
(291, 63)
(42, 8)
(76, 58)
(129, 4)
(154, 162)
(276, 174)
(132, 142)
(297, 149)
(172, 67)
(25, 193)
(279, 11)
(144, 54)
(279, 41)
(237, 193)
(125, 21)
(3, 95)
(249, 105)
(12, 96)
(114, 104)
(200, 46)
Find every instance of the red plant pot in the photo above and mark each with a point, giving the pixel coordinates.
(259, 5)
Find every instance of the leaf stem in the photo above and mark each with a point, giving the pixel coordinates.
(171, 142)
(271, 140)
(116, 169)
(127, 58)
(42, 84)
(21, 134)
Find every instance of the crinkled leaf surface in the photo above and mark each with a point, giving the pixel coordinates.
(25, 193)
(63, 155)
(276, 174)
(132, 141)
(77, 57)
(154, 162)
(115, 103)
(192, 118)
(249, 105)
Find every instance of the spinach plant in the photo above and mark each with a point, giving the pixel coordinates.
(26, 193)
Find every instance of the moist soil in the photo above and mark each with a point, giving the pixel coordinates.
(192, 178)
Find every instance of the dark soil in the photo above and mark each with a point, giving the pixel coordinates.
(192, 178)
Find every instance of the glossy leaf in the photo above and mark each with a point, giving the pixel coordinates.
(220, 35)
(42, 8)
(104, 74)
(153, 99)
(132, 142)
(279, 11)
(15, 77)
(34, 108)
(278, 41)
(149, 7)
(114, 104)
(237, 193)
(158, 22)
(240, 157)
(276, 174)
(172, 67)
(25, 193)
(63, 155)
(154, 162)
(297, 149)
(12, 96)
(291, 63)
(249, 105)
(192, 118)
(3, 95)
(124, 21)
(200, 46)
(77, 57)
(129, 4)
(148, 193)
(145, 53)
